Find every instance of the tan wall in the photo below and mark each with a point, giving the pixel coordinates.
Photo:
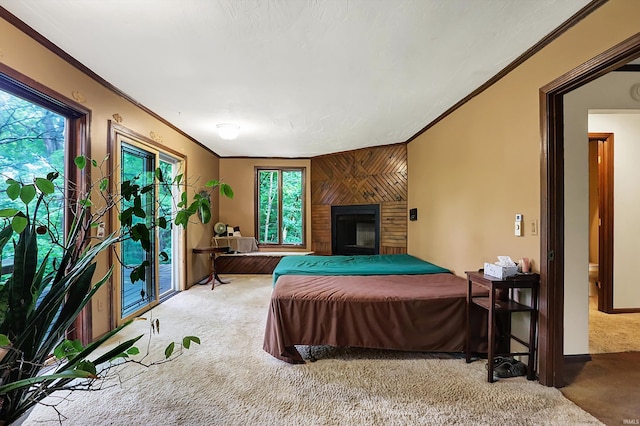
(31, 59)
(240, 211)
(473, 171)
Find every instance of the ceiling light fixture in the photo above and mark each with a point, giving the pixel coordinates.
(228, 131)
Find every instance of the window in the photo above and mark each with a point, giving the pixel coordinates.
(41, 131)
(280, 206)
(34, 140)
(32, 144)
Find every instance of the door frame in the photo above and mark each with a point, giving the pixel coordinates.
(605, 214)
(115, 131)
(551, 334)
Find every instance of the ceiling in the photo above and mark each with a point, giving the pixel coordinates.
(300, 77)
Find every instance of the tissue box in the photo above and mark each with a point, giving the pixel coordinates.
(499, 271)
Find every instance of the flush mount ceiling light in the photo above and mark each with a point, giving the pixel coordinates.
(228, 131)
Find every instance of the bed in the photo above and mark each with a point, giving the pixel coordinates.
(383, 264)
(417, 311)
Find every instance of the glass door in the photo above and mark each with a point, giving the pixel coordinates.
(165, 266)
(138, 165)
(168, 239)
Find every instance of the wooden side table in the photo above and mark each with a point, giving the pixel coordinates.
(213, 253)
(500, 300)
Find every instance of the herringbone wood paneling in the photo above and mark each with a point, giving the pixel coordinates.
(366, 176)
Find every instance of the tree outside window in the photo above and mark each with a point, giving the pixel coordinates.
(32, 143)
(280, 206)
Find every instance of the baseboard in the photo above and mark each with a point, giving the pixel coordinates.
(625, 310)
(577, 358)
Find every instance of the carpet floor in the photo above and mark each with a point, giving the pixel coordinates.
(230, 380)
(607, 387)
(612, 333)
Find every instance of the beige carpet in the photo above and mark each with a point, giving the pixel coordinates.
(610, 333)
(230, 380)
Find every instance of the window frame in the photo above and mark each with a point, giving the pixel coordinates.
(76, 143)
(280, 169)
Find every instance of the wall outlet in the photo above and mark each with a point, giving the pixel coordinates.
(100, 233)
(518, 229)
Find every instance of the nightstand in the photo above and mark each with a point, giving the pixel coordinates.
(500, 301)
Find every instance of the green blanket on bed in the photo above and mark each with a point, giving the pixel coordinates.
(383, 264)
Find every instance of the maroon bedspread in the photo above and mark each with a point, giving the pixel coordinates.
(403, 312)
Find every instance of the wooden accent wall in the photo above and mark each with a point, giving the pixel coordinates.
(365, 176)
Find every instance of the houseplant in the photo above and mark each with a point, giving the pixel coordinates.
(42, 296)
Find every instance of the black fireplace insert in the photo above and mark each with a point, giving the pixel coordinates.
(355, 229)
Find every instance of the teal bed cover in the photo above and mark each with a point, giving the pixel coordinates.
(379, 264)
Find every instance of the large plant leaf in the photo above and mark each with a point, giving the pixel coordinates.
(8, 212)
(19, 223)
(226, 190)
(21, 291)
(186, 341)
(90, 348)
(13, 190)
(27, 193)
(81, 161)
(57, 332)
(69, 374)
(5, 237)
(76, 293)
(118, 350)
(45, 186)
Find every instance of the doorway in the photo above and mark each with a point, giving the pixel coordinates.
(551, 336)
(138, 160)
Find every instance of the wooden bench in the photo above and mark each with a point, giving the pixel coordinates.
(257, 262)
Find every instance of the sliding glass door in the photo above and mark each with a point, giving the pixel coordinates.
(138, 163)
(168, 239)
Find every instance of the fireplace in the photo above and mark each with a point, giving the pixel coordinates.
(355, 229)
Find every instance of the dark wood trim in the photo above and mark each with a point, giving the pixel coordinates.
(551, 312)
(605, 208)
(33, 91)
(580, 358)
(624, 311)
(39, 38)
(244, 157)
(577, 17)
(256, 230)
(78, 134)
(629, 68)
(551, 334)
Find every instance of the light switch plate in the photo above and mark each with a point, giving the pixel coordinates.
(518, 229)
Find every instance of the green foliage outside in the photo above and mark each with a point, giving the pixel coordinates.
(32, 144)
(273, 186)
